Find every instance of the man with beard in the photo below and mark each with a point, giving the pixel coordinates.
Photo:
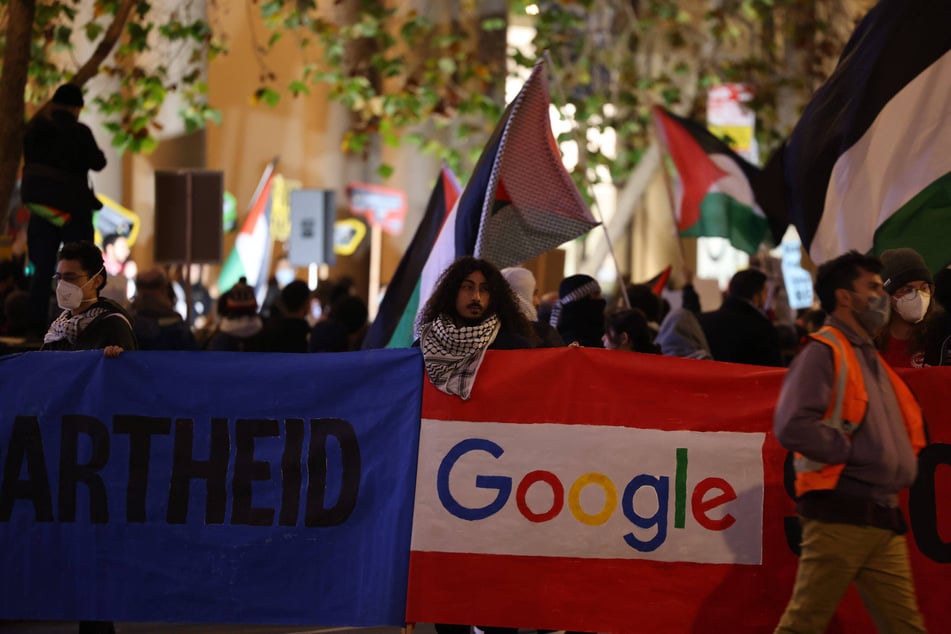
(472, 309)
(855, 427)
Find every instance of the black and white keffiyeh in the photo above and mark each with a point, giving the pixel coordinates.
(452, 354)
(68, 325)
(589, 288)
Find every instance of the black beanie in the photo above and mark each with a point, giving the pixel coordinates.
(69, 95)
(574, 282)
(900, 266)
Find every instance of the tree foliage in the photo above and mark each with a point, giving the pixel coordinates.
(394, 69)
(614, 59)
(149, 51)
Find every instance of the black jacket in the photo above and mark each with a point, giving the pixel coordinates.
(58, 152)
(112, 328)
(739, 333)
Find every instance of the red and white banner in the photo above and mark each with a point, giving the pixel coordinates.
(602, 491)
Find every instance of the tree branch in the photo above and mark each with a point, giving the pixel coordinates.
(91, 68)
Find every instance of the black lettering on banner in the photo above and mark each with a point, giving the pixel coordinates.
(185, 468)
(791, 525)
(291, 471)
(26, 444)
(72, 473)
(140, 430)
(321, 429)
(247, 470)
(923, 504)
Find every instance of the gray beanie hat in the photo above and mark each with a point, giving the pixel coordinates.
(900, 266)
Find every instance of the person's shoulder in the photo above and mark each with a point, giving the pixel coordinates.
(547, 335)
(112, 307)
(814, 351)
(114, 321)
(508, 340)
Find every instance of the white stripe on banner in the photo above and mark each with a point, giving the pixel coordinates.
(904, 151)
(554, 490)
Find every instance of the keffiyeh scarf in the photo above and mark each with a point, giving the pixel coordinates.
(581, 292)
(452, 354)
(68, 326)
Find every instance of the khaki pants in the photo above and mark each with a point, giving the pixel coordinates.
(835, 555)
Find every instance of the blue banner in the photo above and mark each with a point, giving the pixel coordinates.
(208, 487)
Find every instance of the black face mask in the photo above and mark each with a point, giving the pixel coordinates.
(875, 314)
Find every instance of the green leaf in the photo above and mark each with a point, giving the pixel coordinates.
(93, 30)
(268, 96)
(298, 88)
(270, 9)
(384, 171)
(447, 65)
(494, 24)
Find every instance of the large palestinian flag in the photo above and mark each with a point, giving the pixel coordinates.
(713, 187)
(526, 201)
(868, 166)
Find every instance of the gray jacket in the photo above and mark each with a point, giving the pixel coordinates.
(878, 457)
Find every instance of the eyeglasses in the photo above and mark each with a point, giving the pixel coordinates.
(909, 293)
(70, 278)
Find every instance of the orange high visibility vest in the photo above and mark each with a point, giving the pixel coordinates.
(847, 410)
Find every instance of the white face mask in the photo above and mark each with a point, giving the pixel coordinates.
(69, 296)
(913, 306)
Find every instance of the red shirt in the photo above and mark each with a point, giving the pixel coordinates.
(897, 354)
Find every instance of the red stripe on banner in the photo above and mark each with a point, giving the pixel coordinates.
(596, 386)
(601, 595)
(607, 388)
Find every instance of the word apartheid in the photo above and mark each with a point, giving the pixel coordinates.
(95, 465)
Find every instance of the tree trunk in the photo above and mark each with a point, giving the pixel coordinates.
(16, 61)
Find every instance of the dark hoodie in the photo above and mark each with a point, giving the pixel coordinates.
(112, 328)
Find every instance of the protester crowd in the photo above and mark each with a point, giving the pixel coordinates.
(875, 314)
(334, 318)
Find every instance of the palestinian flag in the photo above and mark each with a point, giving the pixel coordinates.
(521, 201)
(713, 189)
(868, 166)
(393, 326)
(659, 282)
(251, 256)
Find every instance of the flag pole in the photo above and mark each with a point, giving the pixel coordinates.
(263, 181)
(595, 209)
(669, 186)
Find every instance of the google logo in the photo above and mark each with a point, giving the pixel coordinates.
(706, 496)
